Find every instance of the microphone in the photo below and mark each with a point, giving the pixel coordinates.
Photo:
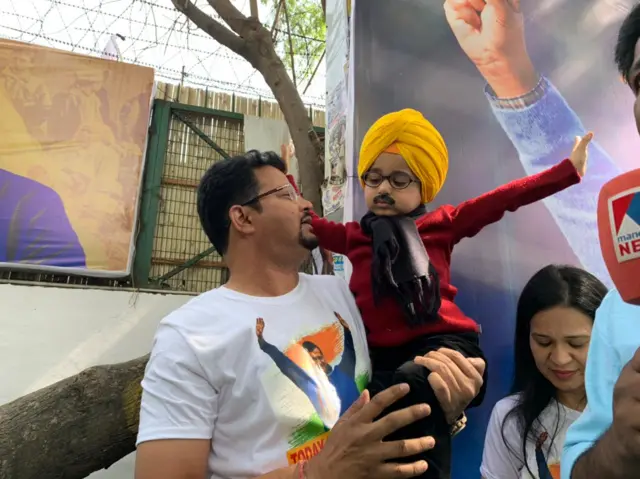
(619, 232)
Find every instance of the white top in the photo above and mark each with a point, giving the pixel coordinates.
(502, 461)
(264, 404)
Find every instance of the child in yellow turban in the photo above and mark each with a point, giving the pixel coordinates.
(401, 256)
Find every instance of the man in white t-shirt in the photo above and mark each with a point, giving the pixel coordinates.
(247, 380)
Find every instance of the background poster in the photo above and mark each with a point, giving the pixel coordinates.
(72, 141)
(336, 78)
(405, 54)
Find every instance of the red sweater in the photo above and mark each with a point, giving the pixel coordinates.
(440, 230)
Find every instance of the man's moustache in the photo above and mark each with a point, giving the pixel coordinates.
(384, 198)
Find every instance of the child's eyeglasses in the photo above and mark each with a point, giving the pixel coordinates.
(399, 180)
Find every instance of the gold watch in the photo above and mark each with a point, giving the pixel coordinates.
(458, 425)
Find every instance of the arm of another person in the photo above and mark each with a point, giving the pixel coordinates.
(471, 216)
(331, 235)
(46, 235)
(177, 415)
(587, 435)
(499, 459)
(348, 362)
(542, 127)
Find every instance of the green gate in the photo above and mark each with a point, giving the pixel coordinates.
(172, 252)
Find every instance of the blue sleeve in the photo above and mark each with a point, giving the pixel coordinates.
(543, 132)
(348, 363)
(602, 371)
(40, 231)
(295, 373)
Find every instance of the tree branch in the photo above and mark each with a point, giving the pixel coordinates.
(231, 15)
(324, 8)
(293, 61)
(206, 23)
(315, 70)
(74, 427)
(254, 9)
(274, 32)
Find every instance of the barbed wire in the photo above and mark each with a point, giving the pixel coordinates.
(155, 35)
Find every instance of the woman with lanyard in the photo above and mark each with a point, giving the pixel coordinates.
(527, 429)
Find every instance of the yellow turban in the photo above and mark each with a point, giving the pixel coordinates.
(419, 143)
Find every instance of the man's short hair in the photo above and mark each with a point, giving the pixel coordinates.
(226, 183)
(627, 39)
(310, 347)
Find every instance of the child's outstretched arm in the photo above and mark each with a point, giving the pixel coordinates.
(470, 217)
(332, 236)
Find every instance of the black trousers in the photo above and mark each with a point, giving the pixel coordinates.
(395, 366)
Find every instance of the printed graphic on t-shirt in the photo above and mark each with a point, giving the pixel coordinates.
(318, 381)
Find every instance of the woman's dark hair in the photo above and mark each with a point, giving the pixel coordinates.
(552, 286)
(628, 36)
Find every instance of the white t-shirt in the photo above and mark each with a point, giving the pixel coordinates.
(500, 461)
(263, 403)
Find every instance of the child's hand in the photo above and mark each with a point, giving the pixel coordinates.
(287, 152)
(579, 155)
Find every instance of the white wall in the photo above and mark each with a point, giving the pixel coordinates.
(47, 334)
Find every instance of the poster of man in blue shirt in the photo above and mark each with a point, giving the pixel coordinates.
(510, 84)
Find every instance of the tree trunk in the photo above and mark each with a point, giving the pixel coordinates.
(253, 42)
(74, 427)
(262, 55)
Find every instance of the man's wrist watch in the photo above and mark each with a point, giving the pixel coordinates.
(458, 425)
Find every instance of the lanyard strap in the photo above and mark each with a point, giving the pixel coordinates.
(543, 468)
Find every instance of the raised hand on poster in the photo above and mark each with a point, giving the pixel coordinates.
(491, 34)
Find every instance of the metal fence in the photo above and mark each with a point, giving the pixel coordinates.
(185, 138)
(173, 252)
(181, 257)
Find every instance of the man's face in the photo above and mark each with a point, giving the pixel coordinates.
(284, 224)
(634, 83)
(318, 358)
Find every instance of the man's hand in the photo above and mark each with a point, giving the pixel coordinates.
(491, 34)
(455, 380)
(626, 411)
(355, 449)
(344, 324)
(259, 327)
(580, 155)
(616, 454)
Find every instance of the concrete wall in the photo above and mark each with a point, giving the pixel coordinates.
(49, 333)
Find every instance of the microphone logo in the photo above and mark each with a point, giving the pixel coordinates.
(624, 218)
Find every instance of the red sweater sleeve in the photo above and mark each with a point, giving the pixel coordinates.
(471, 216)
(331, 235)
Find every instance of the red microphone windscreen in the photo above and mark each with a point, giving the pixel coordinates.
(619, 231)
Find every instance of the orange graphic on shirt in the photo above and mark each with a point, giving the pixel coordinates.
(328, 340)
(554, 469)
(307, 450)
